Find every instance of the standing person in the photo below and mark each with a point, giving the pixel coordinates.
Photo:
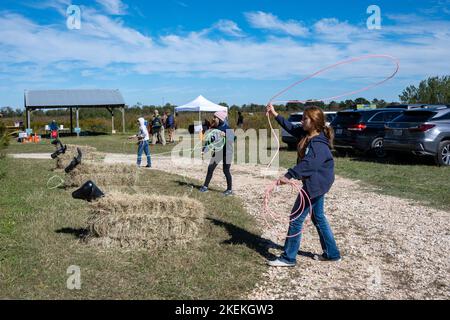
(156, 129)
(225, 154)
(315, 167)
(143, 139)
(240, 121)
(53, 126)
(163, 128)
(170, 125)
(206, 125)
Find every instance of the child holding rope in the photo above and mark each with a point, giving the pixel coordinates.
(315, 167)
(225, 154)
(143, 139)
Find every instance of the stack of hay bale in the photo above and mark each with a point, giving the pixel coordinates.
(131, 221)
(89, 154)
(103, 175)
(145, 221)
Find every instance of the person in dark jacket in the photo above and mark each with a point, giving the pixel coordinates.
(240, 121)
(170, 123)
(157, 129)
(315, 167)
(225, 154)
(53, 126)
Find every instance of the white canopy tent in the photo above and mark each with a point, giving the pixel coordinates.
(201, 104)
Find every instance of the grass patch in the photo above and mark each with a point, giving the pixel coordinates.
(409, 178)
(105, 143)
(40, 228)
(412, 178)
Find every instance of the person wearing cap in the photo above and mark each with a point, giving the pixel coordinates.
(225, 154)
(157, 129)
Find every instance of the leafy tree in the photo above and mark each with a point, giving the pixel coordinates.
(362, 101)
(434, 90)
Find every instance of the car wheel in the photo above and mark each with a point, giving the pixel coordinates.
(341, 152)
(443, 156)
(378, 148)
(292, 146)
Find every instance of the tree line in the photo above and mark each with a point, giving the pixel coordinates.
(434, 90)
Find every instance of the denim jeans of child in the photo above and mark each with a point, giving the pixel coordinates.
(143, 147)
(292, 244)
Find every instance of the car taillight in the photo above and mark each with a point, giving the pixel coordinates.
(357, 127)
(422, 128)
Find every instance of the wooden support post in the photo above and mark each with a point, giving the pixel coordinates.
(71, 121)
(28, 119)
(123, 119)
(78, 121)
(112, 122)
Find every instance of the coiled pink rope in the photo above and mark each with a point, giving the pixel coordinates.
(303, 196)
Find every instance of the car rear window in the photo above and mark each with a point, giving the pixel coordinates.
(347, 118)
(444, 117)
(415, 116)
(295, 118)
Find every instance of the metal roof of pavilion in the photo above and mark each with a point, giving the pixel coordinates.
(46, 99)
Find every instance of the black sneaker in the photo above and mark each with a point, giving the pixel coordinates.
(228, 193)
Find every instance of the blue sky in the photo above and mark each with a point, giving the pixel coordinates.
(235, 51)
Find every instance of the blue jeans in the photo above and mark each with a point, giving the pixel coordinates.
(292, 245)
(143, 147)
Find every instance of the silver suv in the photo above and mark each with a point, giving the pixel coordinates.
(422, 132)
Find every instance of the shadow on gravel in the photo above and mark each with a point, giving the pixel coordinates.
(240, 236)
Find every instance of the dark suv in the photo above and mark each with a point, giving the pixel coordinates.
(421, 132)
(363, 130)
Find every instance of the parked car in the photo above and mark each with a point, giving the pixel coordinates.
(296, 119)
(421, 132)
(362, 130)
(414, 106)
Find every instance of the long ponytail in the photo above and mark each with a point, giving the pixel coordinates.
(329, 133)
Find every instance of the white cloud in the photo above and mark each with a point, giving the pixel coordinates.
(229, 27)
(107, 45)
(113, 7)
(182, 4)
(268, 21)
(335, 31)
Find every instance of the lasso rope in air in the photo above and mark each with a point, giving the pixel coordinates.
(213, 139)
(303, 196)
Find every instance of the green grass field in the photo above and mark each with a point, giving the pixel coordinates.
(415, 179)
(39, 237)
(103, 143)
(40, 228)
(410, 178)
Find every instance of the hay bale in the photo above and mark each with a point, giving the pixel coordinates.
(145, 221)
(89, 154)
(103, 175)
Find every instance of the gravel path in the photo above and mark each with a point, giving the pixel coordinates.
(392, 248)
